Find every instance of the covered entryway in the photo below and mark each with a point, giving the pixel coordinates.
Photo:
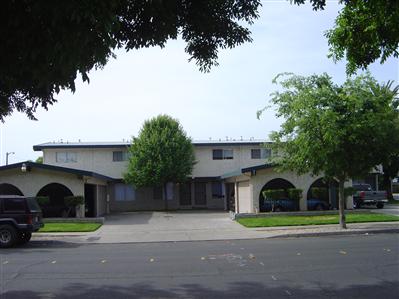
(200, 199)
(185, 195)
(56, 207)
(274, 184)
(90, 200)
(8, 189)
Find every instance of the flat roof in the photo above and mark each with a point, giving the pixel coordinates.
(124, 144)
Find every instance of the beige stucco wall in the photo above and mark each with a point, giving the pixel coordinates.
(249, 188)
(31, 182)
(206, 166)
(98, 160)
(244, 197)
(299, 181)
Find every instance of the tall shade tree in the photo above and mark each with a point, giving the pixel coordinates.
(45, 45)
(162, 153)
(340, 131)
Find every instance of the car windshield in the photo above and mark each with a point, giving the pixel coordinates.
(33, 205)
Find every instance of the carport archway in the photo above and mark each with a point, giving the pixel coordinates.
(325, 190)
(8, 189)
(274, 184)
(56, 193)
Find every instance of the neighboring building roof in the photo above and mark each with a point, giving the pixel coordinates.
(47, 145)
(125, 144)
(57, 168)
(251, 169)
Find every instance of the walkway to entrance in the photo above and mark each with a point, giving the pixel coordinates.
(167, 226)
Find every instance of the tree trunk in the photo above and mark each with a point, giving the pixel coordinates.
(165, 196)
(342, 221)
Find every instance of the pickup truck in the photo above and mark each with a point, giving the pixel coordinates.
(365, 196)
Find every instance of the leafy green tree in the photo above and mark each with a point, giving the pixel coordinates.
(340, 131)
(390, 167)
(364, 31)
(44, 45)
(39, 160)
(162, 153)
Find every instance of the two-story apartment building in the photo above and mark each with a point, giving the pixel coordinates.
(228, 175)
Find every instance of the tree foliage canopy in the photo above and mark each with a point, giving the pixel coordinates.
(45, 44)
(340, 130)
(161, 153)
(364, 32)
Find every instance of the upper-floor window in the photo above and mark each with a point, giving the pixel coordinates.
(260, 153)
(118, 156)
(66, 157)
(223, 154)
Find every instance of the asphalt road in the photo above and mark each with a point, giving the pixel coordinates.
(362, 266)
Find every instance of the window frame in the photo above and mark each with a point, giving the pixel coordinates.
(70, 157)
(224, 154)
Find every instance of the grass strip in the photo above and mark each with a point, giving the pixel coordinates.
(283, 220)
(68, 227)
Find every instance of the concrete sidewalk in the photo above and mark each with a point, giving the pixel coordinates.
(198, 226)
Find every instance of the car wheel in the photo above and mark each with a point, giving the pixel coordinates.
(24, 237)
(278, 209)
(357, 205)
(380, 205)
(8, 236)
(319, 208)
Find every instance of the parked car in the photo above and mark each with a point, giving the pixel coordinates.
(19, 217)
(366, 196)
(279, 205)
(317, 204)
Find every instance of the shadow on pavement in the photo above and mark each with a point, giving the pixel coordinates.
(234, 290)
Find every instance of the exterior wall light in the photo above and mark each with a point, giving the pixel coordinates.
(24, 168)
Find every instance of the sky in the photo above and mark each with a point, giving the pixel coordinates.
(221, 104)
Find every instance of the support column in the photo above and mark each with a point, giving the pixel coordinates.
(236, 199)
(303, 202)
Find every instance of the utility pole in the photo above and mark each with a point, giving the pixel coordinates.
(7, 154)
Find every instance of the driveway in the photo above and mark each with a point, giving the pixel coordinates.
(143, 227)
(168, 226)
(388, 209)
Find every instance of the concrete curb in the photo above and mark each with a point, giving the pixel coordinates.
(337, 233)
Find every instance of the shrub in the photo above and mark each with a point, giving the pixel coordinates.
(73, 201)
(273, 194)
(349, 191)
(294, 193)
(43, 200)
(319, 192)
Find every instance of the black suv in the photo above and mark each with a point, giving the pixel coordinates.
(19, 217)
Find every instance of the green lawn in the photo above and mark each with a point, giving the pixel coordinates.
(63, 227)
(314, 220)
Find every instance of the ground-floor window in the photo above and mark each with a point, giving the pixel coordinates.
(124, 192)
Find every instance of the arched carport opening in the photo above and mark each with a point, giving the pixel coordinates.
(274, 184)
(324, 190)
(56, 193)
(8, 189)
